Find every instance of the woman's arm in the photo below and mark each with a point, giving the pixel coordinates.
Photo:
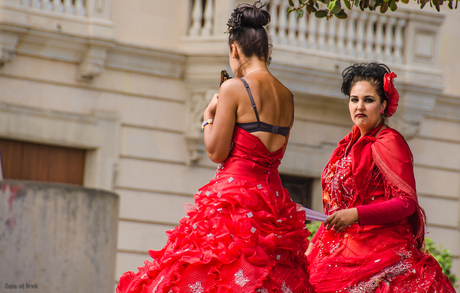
(390, 211)
(222, 110)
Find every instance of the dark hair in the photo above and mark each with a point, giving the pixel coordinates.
(246, 27)
(373, 73)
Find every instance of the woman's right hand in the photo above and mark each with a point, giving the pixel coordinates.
(341, 219)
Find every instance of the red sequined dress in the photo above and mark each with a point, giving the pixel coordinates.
(244, 233)
(373, 258)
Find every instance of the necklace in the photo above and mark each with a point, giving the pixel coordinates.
(260, 69)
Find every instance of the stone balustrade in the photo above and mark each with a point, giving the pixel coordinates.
(64, 7)
(364, 35)
(74, 30)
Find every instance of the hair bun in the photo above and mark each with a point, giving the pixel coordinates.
(249, 16)
(254, 15)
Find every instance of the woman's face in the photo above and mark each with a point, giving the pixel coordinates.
(365, 106)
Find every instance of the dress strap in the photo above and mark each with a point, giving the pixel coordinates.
(252, 99)
(292, 120)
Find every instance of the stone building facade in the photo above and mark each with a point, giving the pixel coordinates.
(127, 81)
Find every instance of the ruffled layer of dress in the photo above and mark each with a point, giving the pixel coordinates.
(244, 234)
(374, 259)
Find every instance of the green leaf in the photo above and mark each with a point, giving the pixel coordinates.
(321, 13)
(291, 3)
(299, 13)
(347, 4)
(384, 7)
(341, 14)
(331, 5)
(311, 8)
(337, 7)
(393, 6)
(386, 1)
(405, 1)
(372, 3)
(302, 1)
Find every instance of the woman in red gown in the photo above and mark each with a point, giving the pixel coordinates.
(373, 239)
(244, 233)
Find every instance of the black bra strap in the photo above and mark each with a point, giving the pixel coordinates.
(252, 99)
(292, 120)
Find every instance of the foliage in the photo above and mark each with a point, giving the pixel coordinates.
(443, 256)
(313, 226)
(336, 7)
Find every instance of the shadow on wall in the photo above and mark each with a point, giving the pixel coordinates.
(57, 238)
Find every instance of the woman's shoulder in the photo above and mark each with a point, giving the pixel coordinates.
(391, 135)
(233, 87)
(391, 141)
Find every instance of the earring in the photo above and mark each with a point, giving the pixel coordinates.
(381, 112)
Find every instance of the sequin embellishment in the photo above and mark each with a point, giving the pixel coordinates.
(196, 288)
(285, 288)
(240, 279)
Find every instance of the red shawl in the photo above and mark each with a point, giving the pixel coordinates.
(390, 153)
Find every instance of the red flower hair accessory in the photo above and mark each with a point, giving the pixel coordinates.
(391, 93)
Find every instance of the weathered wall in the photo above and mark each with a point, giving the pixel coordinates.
(57, 238)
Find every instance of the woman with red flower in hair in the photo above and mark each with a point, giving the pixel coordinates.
(373, 239)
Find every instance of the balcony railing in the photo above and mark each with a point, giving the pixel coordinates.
(363, 35)
(43, 27)
(65, 7)
(202, 18)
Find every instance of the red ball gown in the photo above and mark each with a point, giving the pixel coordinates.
(244, 233)
(376, 258)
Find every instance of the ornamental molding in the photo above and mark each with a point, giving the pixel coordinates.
(202, 77)
(9, 37)
(196, 105)
(93, 63)
(76, 33)
(147, 60)
(447, 107)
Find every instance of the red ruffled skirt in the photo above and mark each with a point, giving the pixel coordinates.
(380, 259)
(243, 235)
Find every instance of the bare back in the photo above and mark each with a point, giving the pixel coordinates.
(274, 105)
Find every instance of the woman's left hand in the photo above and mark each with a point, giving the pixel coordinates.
(341, 219)
(210, 111)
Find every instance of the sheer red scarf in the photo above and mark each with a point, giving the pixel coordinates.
(390, 153)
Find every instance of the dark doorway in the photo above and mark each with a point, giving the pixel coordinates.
(300, 188)
(39, 162)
